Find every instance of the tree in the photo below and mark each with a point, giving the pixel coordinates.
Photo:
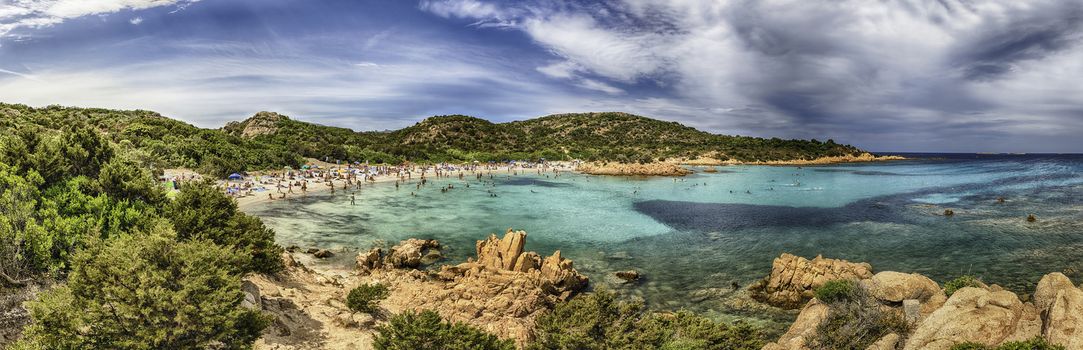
(201, 211)
(22, 245)
(85, 151)
(124, 179)
(145, 291)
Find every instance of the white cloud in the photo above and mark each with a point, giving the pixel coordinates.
(561, 70)
(136, 20)
(600, 86)
(461, 8)
(40, 13)
(235, 81)
(812, 68)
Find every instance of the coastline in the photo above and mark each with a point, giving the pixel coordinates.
(667, 169)
(863, 158)
(320, 186)
(633, 169)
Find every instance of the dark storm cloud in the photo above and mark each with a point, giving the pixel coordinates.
(1030, 36)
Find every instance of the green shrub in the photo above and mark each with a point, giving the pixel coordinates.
(145, 292)
(600, 321)
(366, 297)
(1036, 343)
(427, 331)
(857, 323)
(960, 283)
(201, 211)
(837, 291)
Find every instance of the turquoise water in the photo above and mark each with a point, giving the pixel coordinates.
(695, 237)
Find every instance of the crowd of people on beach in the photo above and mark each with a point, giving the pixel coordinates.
(277, 185)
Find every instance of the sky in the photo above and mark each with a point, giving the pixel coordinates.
(887, 75)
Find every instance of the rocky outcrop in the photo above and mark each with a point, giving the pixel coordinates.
(1061, 305)
(803, 329)
(501, 291)
(861, 158)
(971, 315)
(505, 256)
(895, 287)
(794, 279)
(634, 169)
(887, 342)
(409, 253)
(371, 260)
(986, 315)
(262, 123)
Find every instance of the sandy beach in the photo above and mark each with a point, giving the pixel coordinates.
(319, 185)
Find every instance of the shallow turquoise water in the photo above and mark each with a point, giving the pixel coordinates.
(702, 233)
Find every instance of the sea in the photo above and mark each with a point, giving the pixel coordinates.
(700, 240)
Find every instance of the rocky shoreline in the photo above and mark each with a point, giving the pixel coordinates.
(861, 158)
(504, 289)
(633, 169)
(500, 291)
(974, 314)
(675, 168)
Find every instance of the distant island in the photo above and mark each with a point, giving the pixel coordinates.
(270, 140)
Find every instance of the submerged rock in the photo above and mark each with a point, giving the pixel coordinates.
(794, 279)
(627, 276)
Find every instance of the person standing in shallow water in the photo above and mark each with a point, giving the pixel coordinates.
(353, 199)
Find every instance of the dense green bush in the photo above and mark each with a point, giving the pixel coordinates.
(837, 291)
(366, 297)
(145, 291)
(961, 282)
(1036, 343)
(201, 211)
(427, 331)
(600, 321)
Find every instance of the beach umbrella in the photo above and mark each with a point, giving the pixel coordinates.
(235, 176)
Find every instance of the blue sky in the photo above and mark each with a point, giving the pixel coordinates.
(901, 75)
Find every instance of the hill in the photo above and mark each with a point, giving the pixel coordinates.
(269, 140)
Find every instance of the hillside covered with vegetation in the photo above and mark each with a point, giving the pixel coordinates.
(105, 260)
(271, 141)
